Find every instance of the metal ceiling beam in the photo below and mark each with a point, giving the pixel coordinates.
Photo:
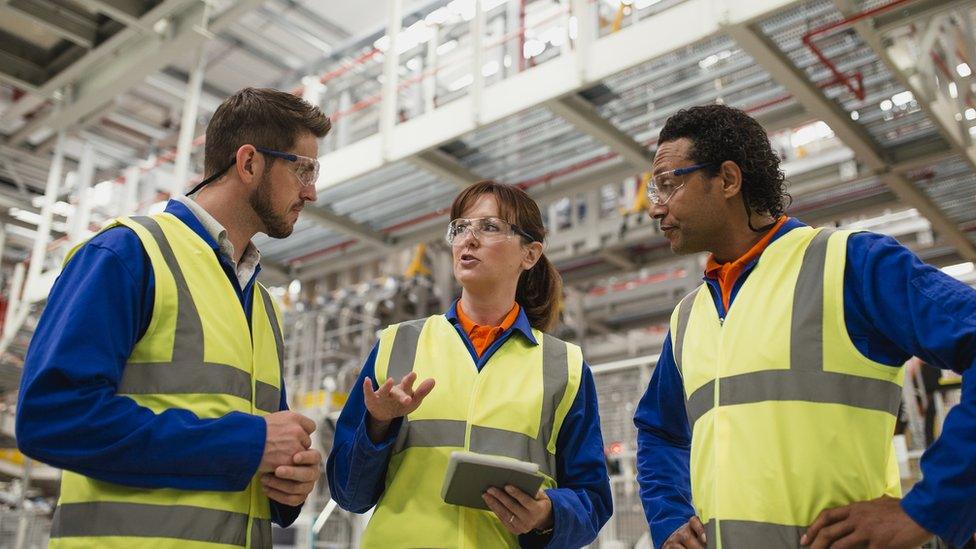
(328, 218)
(903, 66)
(141, 57)
(914, 11)
(15, 201)
(444, 166)
(126, 12)
(14, 173)
(135, 123)
(175, 90)
(617, 259)
(60, 20)
(317, 20)
(215, 92)
(116, 44)
(791, 117)
(257, 53)
(10, 220)
(581, 114)
(768, 56)
(274, 272)
(296, 31)
(20, 72)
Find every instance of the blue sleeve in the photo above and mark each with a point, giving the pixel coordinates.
(911, 307)
(582, 503)
(281, 514)
(664, 450)
(356, 467)
(69, 414)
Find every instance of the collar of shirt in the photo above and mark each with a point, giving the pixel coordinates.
(218, 240)
(521, 323)
(482, 337)
(726, 274)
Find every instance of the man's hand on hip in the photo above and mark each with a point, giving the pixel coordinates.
(689, 536)
(291, 484)
(877, 523)
(288, 434)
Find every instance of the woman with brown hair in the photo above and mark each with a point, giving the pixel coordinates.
(504, 387)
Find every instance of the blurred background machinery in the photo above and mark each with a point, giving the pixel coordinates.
(871, 104)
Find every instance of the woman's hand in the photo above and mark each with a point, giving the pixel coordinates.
(391, 401)
(519, 512)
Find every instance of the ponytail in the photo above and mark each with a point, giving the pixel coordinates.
(540, 294)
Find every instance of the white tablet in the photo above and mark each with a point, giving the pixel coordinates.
(469, 475)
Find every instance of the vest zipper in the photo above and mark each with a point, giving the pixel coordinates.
(464, 515)
(715, 435)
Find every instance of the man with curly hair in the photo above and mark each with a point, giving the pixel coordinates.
(768, 421)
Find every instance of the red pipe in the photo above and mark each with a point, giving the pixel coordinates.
(857, 86)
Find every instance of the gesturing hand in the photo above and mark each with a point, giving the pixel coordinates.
(391, 401)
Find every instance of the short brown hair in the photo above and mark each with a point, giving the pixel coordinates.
(262, 117)
(540, 289)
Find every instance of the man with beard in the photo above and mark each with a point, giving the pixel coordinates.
(154, 375)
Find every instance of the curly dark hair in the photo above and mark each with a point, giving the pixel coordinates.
(719, 133)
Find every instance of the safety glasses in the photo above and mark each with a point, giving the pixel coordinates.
(305, 169)
(484, 229)
(663, 186)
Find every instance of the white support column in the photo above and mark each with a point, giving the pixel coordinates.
(21, 541)
(566, 19)
(417, 91)
(342, 129)
(47, 212)
(477, 60)
(586, 33)
(511, 48)
(391, 64)
(82, 214)
(429, 85)
(15, 291)
(312, 90)
(191, 107)
(130, 195)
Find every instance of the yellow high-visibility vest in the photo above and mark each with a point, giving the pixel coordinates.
(514, 407)
(196, 356)
(788, 417)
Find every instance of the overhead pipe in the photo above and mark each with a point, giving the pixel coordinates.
(855, 82)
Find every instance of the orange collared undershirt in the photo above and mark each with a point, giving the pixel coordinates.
(728, 273)
(482, 337)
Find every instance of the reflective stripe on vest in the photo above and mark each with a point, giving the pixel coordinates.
(106, 518)
(806, 379)
(745, 533)
(187, 372)
(437, 433)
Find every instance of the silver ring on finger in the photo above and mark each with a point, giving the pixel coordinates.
(512, 520)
